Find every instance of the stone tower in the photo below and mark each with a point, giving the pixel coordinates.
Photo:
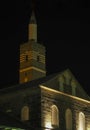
(32, 55)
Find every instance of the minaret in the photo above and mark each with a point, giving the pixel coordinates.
(32, 55)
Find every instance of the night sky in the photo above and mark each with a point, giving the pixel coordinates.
(63, 27)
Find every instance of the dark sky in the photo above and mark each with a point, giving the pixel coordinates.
(63, 27)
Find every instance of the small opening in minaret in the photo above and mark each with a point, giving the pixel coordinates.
(38, 58)
(26, 58)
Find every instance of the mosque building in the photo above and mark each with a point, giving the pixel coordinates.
(41, 102)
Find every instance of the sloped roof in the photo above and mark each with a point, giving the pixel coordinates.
(67, 74)
(9, 121)
(51, 81)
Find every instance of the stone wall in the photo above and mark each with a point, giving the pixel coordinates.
(63, 102)
(13, 101)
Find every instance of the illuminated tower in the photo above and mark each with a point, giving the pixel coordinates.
(32, 55)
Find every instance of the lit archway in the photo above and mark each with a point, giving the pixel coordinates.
(25, 113)
(54, 116)
(81, 121)
(68, 116)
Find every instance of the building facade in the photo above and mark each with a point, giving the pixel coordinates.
(55, 102)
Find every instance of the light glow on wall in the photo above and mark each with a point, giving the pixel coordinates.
(48, 121)
(88, 128)
(51, 119)
(48, 124)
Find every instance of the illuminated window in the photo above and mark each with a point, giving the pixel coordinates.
(81, 121)
(25, 113)
(54, 116)
(68, 116)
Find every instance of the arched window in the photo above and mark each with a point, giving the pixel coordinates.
(61, 83)
(73, 84)
(67, 77)
(25, 113)
(81, 121)
(68, 116)
(54, 116)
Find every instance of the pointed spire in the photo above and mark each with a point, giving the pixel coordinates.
(33, 18)
(32, 28)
